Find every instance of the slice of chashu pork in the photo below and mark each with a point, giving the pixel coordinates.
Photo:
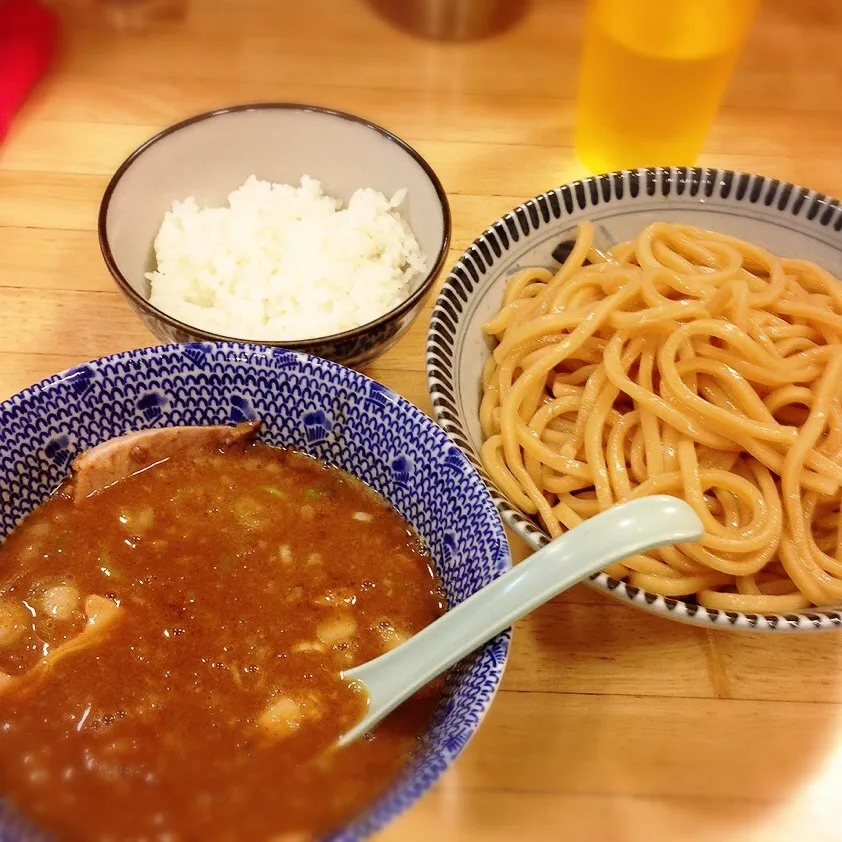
(121, 457)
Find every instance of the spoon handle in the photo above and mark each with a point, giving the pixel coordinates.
(617, 533)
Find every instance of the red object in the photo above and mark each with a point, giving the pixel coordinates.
(27, 40)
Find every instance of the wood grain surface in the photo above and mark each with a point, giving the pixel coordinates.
(611, 724)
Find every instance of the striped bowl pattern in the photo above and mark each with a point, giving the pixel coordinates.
(785, 218)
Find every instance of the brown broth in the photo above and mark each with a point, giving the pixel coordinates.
(243, 579)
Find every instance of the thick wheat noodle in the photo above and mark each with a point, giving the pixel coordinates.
(684, 362)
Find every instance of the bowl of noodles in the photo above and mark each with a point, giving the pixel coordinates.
(663, 330)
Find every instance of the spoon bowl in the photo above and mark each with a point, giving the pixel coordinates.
(617, 533)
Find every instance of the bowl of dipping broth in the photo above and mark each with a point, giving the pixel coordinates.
(197, 539)
(667, 330)
(288, 225)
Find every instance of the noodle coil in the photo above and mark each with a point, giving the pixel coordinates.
(685, 362)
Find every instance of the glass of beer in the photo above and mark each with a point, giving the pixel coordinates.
(652, 77)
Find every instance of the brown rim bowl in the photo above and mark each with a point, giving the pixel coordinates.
(210, 155)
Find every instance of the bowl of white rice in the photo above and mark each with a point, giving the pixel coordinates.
(281, 224)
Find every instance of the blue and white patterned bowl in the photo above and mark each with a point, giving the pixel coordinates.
(315, 406)
(786, 219)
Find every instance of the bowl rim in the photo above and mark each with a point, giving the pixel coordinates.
(411, 782)
(399, 310)
(772, 196)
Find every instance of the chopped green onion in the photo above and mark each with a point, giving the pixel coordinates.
(107, 566)
(248, 512)
(276, 492)
(314, 493)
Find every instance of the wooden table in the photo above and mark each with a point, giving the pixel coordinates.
(611, 724)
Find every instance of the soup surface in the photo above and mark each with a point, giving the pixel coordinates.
(170, 647)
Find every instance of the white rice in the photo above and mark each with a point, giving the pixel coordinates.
(283, 263)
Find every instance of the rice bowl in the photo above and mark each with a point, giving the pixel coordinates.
(211, 155)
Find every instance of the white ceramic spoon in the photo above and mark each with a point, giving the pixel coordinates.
(615, 534)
